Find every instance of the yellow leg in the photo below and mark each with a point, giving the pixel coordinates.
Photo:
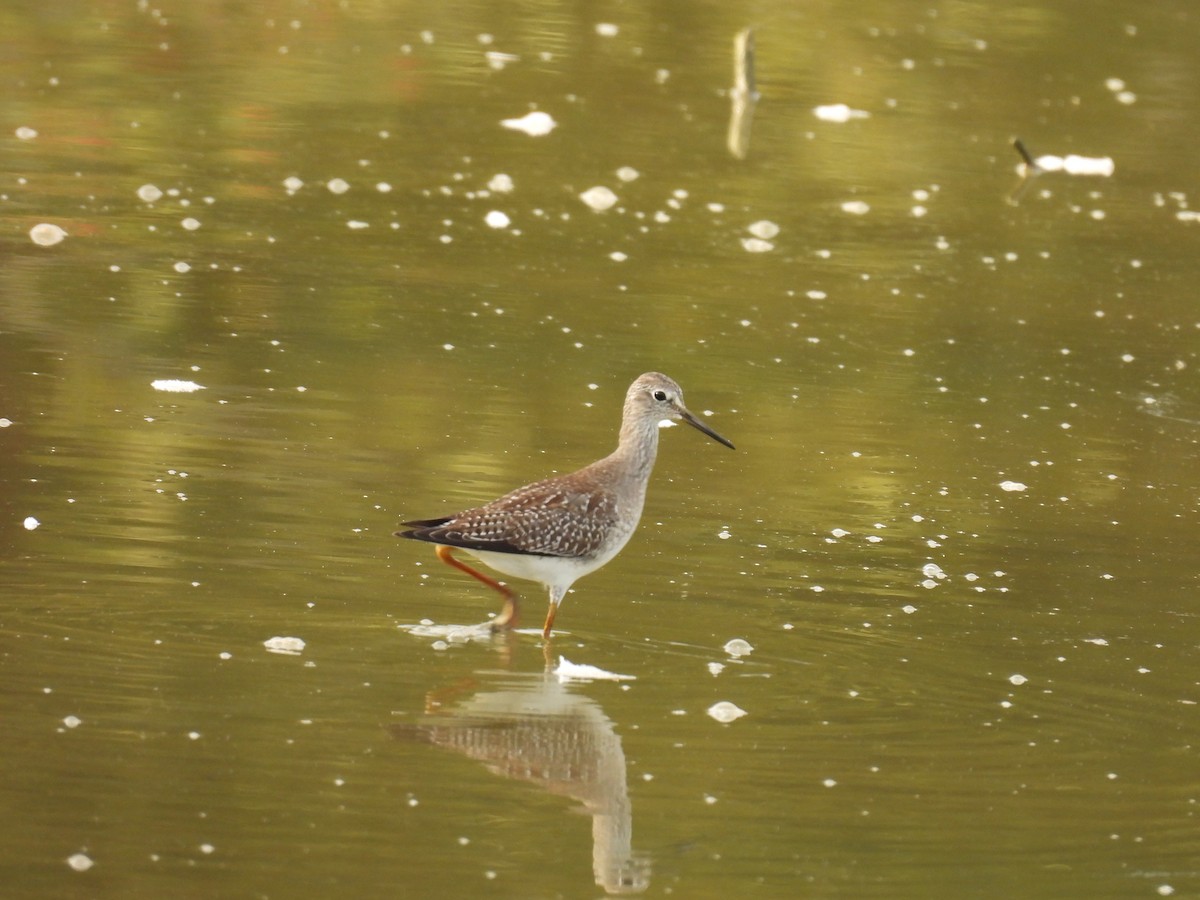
(549, 626)
(557, 592)
(508, 615)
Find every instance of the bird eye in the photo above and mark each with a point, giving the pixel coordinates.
(660, 396)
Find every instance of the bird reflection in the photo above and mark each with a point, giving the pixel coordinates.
(540, 732)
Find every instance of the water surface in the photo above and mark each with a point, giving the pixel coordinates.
(958, 533)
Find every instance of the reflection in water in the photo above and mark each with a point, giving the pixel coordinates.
(541, 732)
(743, 96)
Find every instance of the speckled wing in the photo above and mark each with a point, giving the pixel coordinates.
(539, 519)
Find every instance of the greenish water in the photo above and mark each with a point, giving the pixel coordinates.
(959, 531)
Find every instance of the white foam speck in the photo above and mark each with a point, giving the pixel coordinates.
(289, 645)
(25, 133)
(501, 183)
(599, 198)
(628, 173)
(1013, 486)
(337, 185)
(1017, 679)
(839, 112)
(45, 234)
(497, 219)
(1075, 165)
(607, 29)
(30, 523)
(175, 386)
(534, 124)
(497, 60)
(856, 207)
(149, 193)
(738, 647)
(757, 245)
(80, 862)
(725, 712)
(764, 228)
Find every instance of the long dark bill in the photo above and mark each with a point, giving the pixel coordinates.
(700, 426)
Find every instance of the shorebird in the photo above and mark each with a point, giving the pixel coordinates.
(559, 529)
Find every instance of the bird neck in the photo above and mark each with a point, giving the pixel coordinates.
(638, 446)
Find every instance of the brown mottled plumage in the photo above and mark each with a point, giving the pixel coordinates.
(559, 529)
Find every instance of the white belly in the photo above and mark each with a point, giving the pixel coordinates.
(553, 571)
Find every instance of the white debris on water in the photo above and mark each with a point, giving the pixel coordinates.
(501, 183)
(149, 193)
(856, 207)
(628, 173)
(175, 385)
(497, 60)
(45, 234)
(839, 112)
(599, 198)
(607, 29)
(534, 124)
(497, 219)
(715, 668)
(933, 574)
(738, 647)
(1119, 91)
(80, 862)
(764, 228)
(292, 184)
(30, 523)
(337, 185)
(725, 712)
(72, 721)
(757, 245)
(568, 671)
(448, 635)
(1017, 679)
(1013, 486)
(291, 646)
(25, 133)
(1073, 164)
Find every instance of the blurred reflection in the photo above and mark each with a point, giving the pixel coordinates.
(539, 731)
(743, 96)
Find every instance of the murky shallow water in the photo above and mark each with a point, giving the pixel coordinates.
(959, 531)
